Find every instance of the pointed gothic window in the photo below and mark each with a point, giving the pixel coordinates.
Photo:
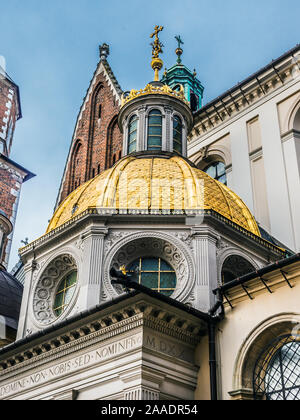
(154, 130)
(132, 134)
(177, 135)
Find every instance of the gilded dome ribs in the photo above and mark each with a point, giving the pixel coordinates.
(155, 185)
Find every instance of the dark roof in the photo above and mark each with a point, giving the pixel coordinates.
(266, 235)
(28, 175)
(246, 81)
(10, 299)
(258, 273)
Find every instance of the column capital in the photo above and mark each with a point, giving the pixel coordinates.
(205, 232)
(94, 231)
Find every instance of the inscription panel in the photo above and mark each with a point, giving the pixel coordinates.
(168, 347)
(89, 359)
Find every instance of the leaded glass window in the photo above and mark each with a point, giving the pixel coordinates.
(177, 135)
(277, 372)
(132, 134)
(64, 293)
(154, 130)
(217, 171)
(156, 274)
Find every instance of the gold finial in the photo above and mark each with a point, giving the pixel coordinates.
(156, 62)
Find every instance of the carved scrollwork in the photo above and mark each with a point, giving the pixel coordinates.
(46, 286)
(113, 238)
(152, 244)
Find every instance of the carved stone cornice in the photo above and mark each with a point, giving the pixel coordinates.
(241, 98)
(141, 311)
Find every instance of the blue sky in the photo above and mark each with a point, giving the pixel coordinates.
(51, 51)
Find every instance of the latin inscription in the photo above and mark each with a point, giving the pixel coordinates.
(168, 347)
(97, 356)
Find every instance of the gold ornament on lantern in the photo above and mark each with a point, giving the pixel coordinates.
(157, 46)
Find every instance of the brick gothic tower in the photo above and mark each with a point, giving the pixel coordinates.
(12, 175)
(97, 141)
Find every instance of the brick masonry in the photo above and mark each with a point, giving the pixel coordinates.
(10, 188)
(11, 178)
(97, 140)
(9, 113)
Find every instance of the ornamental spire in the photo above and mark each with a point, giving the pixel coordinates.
(157, 46)
(179, 50)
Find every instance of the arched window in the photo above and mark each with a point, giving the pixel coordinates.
(132, 134)
(234, 267)
(217, 171)
(76, 166)
(177, 134)
(156, 274)
(64, 293)
(277, 371)
(154, 130)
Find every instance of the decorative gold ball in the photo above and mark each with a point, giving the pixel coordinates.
(157, 63)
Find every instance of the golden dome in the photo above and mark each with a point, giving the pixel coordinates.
(154, 185)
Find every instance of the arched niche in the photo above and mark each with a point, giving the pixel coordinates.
(296, 121)
(234, 267)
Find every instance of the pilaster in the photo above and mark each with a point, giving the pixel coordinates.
(93, 248)
(26, 299)
(276, 179)
(291, 152)
(205, 246)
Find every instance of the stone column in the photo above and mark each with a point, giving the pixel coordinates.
(141, 142)
(205, 246)
(125, 138)
(91, 275)
(167, 143)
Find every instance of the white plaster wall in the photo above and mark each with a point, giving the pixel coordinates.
(278, 196)
(242, 320)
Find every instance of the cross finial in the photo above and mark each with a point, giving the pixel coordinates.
(179, 40)
(157, 46)
(179, 50)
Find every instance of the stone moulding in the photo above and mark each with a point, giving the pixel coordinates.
(92, 211)
(141, 312)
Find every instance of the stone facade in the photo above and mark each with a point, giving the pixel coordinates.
(136, 348)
